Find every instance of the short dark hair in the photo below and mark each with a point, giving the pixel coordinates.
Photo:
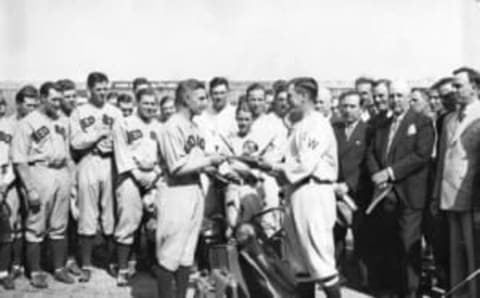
(473, 75)
(254, 86)
(422, 91)
(364, 80)
(142, 92)
(351, 93)
(140, 81)
(124, 98)
(280, 87)
(46, 87)
(66, 84)
(385, 82)
(96, 77)
(442, 82)
(243, 107)
(166, 98)
(217, 81)
(26, 91)
(112, 94)
(306, 85)
(186, 86)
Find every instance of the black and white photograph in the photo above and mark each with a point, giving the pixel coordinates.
(240, 149)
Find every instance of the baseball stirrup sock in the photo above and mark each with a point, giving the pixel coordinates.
(164, 282)
(123, 251)
(332, 291)
(59, 249)
(33, 256)
(181, 280)
(85, 244)
(5, 255)
(17, 253)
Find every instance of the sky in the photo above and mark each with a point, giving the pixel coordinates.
(243, 39)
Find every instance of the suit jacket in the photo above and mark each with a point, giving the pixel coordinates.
(457, 179)
(409, 156)
(351, 156)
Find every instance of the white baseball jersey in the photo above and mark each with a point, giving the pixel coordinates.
(270, 134)
(7, 128)
(135, 144)
(215, 125)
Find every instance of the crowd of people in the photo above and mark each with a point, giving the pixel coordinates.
(396, 164)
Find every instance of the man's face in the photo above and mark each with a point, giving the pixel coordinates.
(197, 101)
(280, 105)
(256, 100)
(350, 108)
(69, 101)
(126, 108)
(418, 102)
(380, 98)
(464, 90)
(219, 95)
(448, 97)
(399, 101)
(244, 122)
(168, 109)
(269, 98)
(323, 103)
(296, 101)
(99, 92)
(29, 104)
(53, 102)
(147, 107)
(366, 94)
(434, 101)
(3, 108)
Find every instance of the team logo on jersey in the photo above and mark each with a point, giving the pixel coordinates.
(5, 137)
(87, 122)
(134, 135)
(194, 141)
(107, 120)
(249, 147)
(40, 134)
(61, 131)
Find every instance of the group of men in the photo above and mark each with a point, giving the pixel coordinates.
(407, 157)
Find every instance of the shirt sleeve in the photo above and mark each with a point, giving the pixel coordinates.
(81, 138)
(21, 143)
(172, 148)
(123, 156)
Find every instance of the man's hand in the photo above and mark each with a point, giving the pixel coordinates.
(341, 189)
(34, 201)
(216, 159)
(144, 165)
(149, 201)
(380, 177)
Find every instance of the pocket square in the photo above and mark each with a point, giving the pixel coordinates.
(412, 130)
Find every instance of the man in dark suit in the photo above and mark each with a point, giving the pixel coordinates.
(457, 183)
(399, 155)
(351, 135)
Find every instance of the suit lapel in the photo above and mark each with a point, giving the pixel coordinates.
(352, 141)
(470, 117)
(404, 124)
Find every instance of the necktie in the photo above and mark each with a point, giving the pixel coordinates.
(393, 130)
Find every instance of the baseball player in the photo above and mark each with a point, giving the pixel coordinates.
(67, 105)
(40, 153)
(136, 158)
(270, 135)
(309, 171)
(180, 202)
(9, 199)
(91, 134)
(26, 101)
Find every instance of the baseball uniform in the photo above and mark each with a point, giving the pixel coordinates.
(94, 171)
(42, 143)
(269, 134)
(11, 199)
(310, 168)
(135, 145)
(180, 202)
